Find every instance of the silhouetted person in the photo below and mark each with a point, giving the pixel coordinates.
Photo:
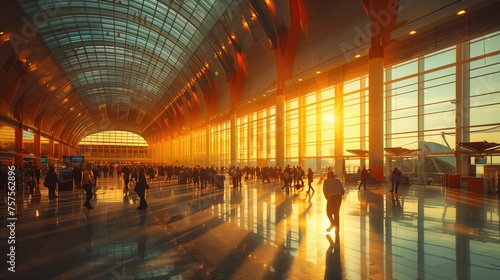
(333, 191)
(38, 175)
(310, 177)
(126, 176)
(77, 176)
(364, 177)
(87, 178)
(396, 180)
(51, 182)
(140, 189)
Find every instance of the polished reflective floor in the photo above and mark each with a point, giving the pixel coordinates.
(254, 232)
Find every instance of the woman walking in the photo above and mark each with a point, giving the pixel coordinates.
(310, 177)
(333, 191)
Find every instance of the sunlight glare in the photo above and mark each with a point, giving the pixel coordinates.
(329, 118)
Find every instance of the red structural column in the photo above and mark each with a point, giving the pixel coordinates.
(287, 40)
(18, 135)
(38, 148)
(19, 138)
(280, 126)
(51, 148)
(376, 116)
(236, 76)
(383, 15)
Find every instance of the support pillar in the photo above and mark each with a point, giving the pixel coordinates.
(302, 132)
(339, 131)
(462, 113)
(60, 150)
(51, 149)
(38, 148)
(191, 148)
(376, 116)
(233, 138)
(280, 127)
(19, 138)
(208, 145)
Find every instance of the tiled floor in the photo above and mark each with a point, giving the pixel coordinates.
(256, 232)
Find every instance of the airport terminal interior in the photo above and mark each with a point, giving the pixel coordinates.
(408, 90)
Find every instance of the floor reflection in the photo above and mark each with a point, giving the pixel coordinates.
(255, 231)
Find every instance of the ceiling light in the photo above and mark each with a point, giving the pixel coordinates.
(461, 12)
(357, 56)
(300, 79)
(412, 32)
(318, 72)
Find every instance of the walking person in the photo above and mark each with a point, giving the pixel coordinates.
(287, 179)
(96, 174)
(310, 177)
(87, 178)
(140, 189)
(38, 175)
(77, 176)
(396, 180)
(126, 177)
(364, 177)
(333, 191)
(50, 182)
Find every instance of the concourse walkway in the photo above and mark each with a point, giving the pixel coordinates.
(256, 231)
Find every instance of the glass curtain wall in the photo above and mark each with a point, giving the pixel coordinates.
(221, 144)
(355, 103)
(114, 146)
(484, 90)
(420, 108)
(200, 147)
(292, 124)
(422, 105)
(256, 143)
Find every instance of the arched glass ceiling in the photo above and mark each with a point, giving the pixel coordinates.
(114, 138)
(123, 48)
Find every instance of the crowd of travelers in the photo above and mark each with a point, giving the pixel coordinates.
(200, 177)
(87, 177)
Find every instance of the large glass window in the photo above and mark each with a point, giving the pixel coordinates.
(421, 109)
(114, 145)
(221, 144)
(292, 132)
